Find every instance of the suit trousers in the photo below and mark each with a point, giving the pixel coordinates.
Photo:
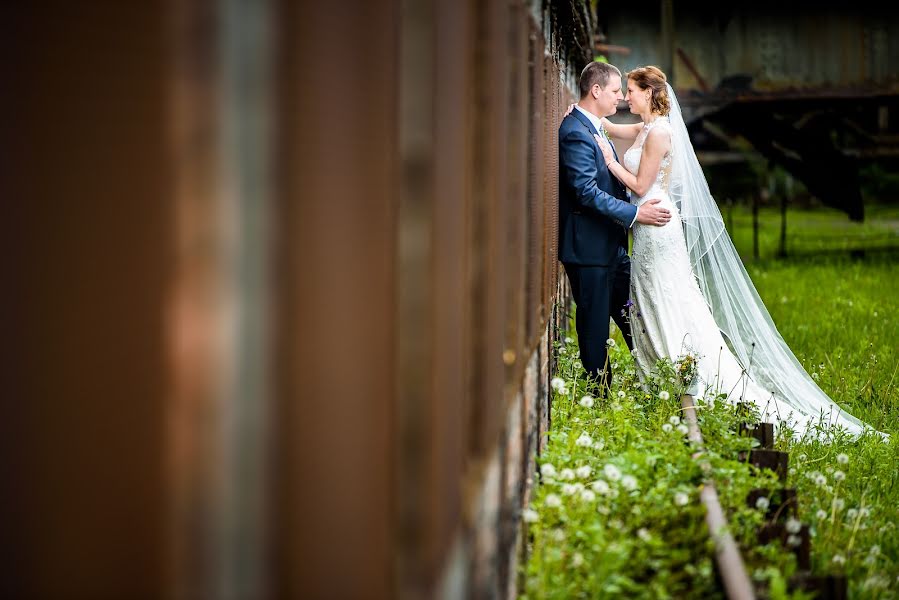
(600, 293)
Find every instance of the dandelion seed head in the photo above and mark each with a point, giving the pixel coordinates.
(664, 395)
(681, 499)
(583, 472)
(667, 427)
(553, 501)
(586, 401)
(762, 503)
(547, 470)
(529, 515)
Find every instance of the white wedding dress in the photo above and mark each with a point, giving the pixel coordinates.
(671, 317)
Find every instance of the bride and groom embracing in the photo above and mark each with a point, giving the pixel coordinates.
(684, 291)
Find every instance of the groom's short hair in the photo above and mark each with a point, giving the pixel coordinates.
(596, 73)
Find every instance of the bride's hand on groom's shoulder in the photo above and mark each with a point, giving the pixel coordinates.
(568, 112)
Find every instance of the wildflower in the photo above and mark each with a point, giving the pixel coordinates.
(600, 487)
(583, 472)
(875, 550)
(667, 427)
(586, 401)
(588, 496)
(562, 350)
(821, 514)
(568, 489)
(612, 472)
(794, 540)
(610, 343)
(578, 364)
(683, 429)
(577, 560)
(530, 516)
(553, 501)
(842, 459)
(629, 482)
(599, 444)
(556, 383)
(568, 340)
(563, 390)
(643, 534)
(585, 441)
(558, 536)
(681, 499)
(820, 480)
(547, 470)
(865, 512)
(621, 394)
(803, 457)
(567, 474)
(839, 503)
(815, 375)
(839, 559)
(793, 525)
(664, 395)
(762, 503)
(839, 476)
(674, 420)
(852, 513)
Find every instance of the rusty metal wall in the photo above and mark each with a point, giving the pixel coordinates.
(287, 292)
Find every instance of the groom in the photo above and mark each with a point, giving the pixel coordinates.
(594, 216)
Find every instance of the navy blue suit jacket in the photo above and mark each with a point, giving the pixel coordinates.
(594, 214)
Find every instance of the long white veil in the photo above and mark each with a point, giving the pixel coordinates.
(738, 310)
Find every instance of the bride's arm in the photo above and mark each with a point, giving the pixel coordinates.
(622, 131)
(654, 148)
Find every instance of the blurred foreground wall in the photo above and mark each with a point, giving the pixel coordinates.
(279, 292)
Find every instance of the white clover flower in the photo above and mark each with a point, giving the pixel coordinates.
(683, 429)
(839, 503)
(530, 516)
(664, 395)
(667, 427)
(569, 488)
(643, 534)
(610, 343)
(577, 560)
(556, 383)
(762, 503)
(821, 514)
(794, 540)
(681, 499)
(588, 496)
(629, 483)
(839, 476)
(674, 420)
(585, 441)
(586, 401)
(612, 472)
(852, 513)
(600, 487)
(621, 394)
(583, 472)
(839, 559)
(793, 525)
(820, 480)
(842, 458)
(567, 474)
(553, 501)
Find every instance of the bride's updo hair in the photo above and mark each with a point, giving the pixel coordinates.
(652, 78)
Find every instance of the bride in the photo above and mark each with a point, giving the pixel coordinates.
(690, 293)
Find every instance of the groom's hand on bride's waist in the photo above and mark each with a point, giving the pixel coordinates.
(650, 214)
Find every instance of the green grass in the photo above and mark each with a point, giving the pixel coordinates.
(835, 300)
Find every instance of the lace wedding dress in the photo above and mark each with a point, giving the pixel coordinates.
(671, 315)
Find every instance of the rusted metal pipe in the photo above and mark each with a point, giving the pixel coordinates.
(737, 585)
